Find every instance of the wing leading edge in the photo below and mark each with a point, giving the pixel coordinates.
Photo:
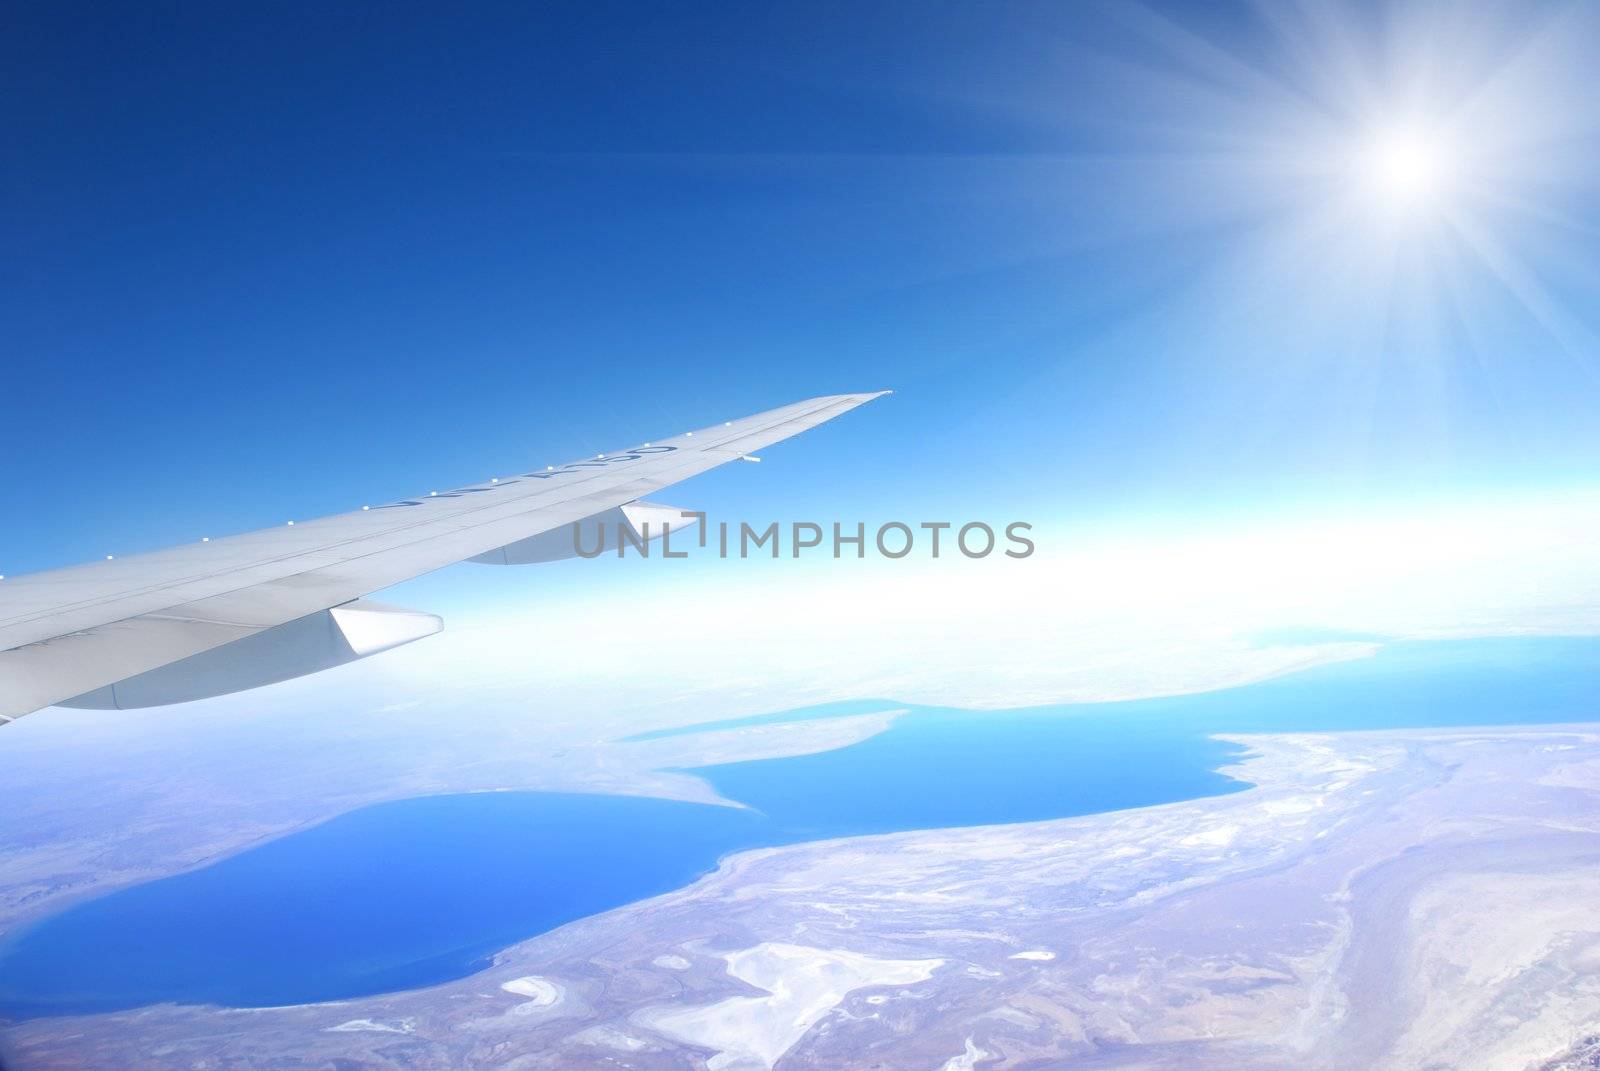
(71, 632)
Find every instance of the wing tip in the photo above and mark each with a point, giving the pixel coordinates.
(850, 401)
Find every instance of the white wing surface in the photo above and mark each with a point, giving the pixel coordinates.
(235, 612)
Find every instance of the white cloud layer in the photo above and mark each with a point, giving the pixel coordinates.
(1092, 616)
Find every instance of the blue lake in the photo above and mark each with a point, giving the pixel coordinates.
(421, 891)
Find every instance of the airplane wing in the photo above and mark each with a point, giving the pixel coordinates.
(231, 613)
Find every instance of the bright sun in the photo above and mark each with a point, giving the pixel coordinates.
(1406, 167)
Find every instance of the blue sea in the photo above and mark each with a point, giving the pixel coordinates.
(416, 892)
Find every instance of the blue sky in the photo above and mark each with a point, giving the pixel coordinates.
(274, 262)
